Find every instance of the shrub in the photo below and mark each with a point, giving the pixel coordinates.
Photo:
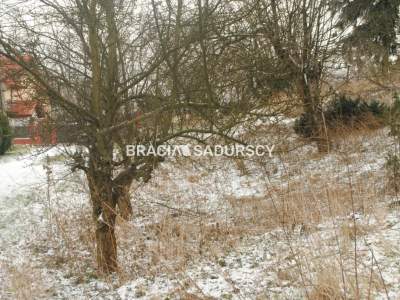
(346, 111)
(377, 109)
(5, 134)
(343, 111)
(303, 125)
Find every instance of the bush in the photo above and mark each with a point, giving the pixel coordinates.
(343, 111)
(303, 125)
(377, 109)
(5, 134)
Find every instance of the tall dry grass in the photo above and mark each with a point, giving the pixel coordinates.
(302, 190)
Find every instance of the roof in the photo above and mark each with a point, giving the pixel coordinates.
(10, 71)
(9, 64)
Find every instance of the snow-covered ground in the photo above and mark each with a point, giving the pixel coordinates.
(209, 229)
(20, 210)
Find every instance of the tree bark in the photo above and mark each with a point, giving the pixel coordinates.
(104, 217)
(122, 198)
(311, 104)
(106, 245)
(104, 204)
(385, 62)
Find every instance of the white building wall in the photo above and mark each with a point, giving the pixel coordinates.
(18, 122)
(5, 95)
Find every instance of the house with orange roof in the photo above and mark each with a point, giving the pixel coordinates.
(19, 101)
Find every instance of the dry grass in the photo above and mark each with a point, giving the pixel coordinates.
(170, 239)
(367, 90)
(327, 286)
(24, 282)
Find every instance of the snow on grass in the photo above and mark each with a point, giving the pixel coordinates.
(23, 209)
(208, 228)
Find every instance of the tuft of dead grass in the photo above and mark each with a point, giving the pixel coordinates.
(24, 282)
(327, 286)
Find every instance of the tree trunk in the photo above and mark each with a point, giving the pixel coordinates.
(104, 216)
(310, 82)
(385, 62)
(122, 198)
(106, 245)
(311, 104)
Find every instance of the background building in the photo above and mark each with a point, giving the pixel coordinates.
(27, 115)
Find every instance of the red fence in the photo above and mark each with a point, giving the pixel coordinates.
(34, 134)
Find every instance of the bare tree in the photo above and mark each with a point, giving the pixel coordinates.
(124, 74)
(302, 39)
